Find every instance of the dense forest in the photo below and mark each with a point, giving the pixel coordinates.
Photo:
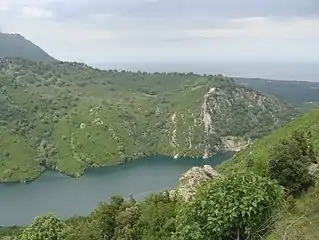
(69, 117)
(255, 201)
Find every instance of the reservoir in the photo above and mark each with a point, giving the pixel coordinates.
(67, 197)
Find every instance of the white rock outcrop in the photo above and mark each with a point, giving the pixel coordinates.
(190, 180)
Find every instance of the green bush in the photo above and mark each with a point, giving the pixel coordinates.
(103, 218)
(47, 227)
(289, 163)
(157, 217)
(240, 206)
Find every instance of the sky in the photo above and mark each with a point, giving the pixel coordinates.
(96, 31)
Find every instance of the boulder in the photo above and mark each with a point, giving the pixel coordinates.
(190, 180)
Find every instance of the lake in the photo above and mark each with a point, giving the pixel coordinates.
(66, 197)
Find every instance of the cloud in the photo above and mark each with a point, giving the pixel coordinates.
(262, 28)
(36, 12)
(131, 30)
(186, 9)
(4, 5)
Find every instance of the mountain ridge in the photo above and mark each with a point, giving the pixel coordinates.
(15, 45)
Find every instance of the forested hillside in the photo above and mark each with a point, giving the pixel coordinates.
(270, 194)
(68, 116)
(15, 45)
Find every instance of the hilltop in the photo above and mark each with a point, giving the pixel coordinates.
(15, 45)
(70, 117)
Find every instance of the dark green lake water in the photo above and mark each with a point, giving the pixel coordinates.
(66, 197)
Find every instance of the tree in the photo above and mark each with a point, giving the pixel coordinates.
(157, 220)
(289, 163)
(126, 223)
(240, 206)
(79, 228)
(102, 221)
(48, 227)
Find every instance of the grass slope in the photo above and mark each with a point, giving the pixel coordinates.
(301, 222)
(258, 152)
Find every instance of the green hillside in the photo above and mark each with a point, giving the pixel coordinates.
(70, 117)
(15, 45)
(301, 221)
(258, 152)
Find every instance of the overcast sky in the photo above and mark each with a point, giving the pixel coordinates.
(168, 30)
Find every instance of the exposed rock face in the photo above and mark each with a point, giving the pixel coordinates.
(234, 144)
(223, 118)
(190, 180)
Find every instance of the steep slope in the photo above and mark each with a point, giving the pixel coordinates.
(301, 221)
(15, 45)
(258, 152)
(69, 117)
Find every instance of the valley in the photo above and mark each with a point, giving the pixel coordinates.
(68, 197)
(70, 117)
(136, 155)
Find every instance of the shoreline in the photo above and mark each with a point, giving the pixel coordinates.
(30, 180)
(120, 180)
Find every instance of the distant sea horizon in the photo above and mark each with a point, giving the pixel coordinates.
(293, 71)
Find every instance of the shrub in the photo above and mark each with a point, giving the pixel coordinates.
(47, 227)
(289, 163)
(239, 206)
(157, 217)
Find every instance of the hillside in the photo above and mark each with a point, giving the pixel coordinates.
(300, 222)
(70, 117)
(297, 92)
(15, 45)
(259, 150)
(234, 200)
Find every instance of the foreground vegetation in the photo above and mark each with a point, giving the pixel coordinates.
(162, 216)
(251, 203)
(70, 117)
